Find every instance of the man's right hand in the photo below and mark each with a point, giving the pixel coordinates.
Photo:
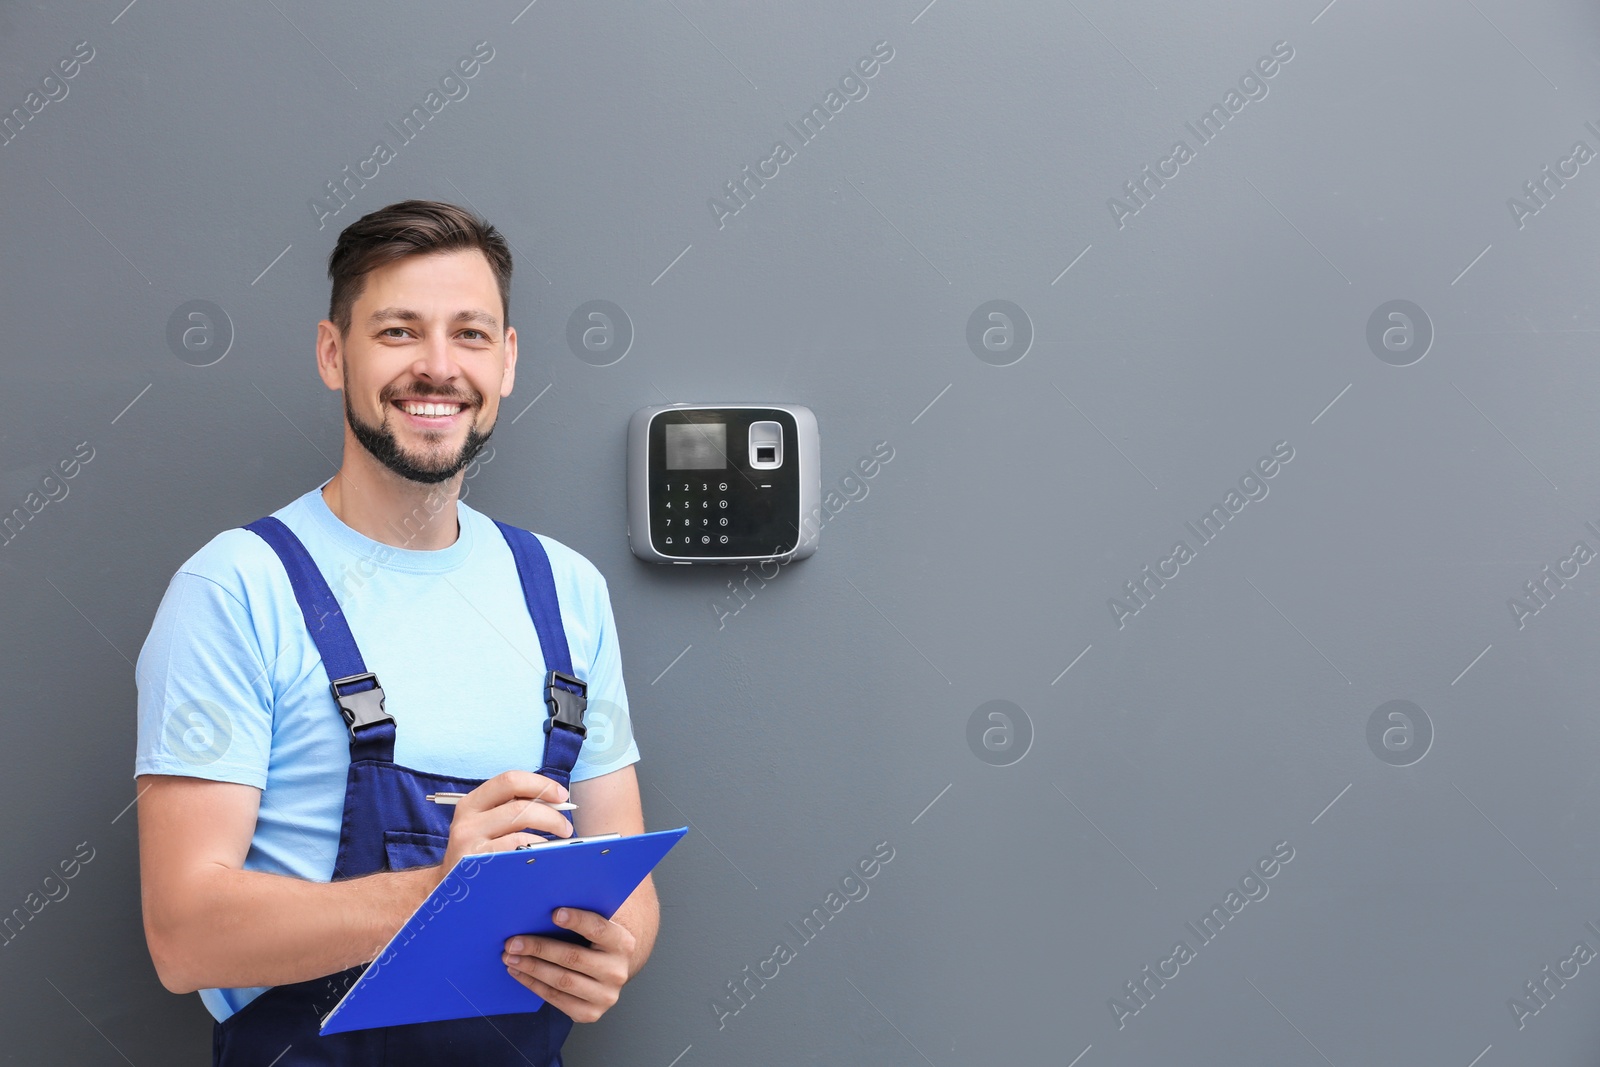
(495, 816)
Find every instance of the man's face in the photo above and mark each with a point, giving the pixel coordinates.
(425, 363)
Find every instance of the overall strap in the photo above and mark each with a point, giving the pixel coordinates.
(564, 693)
(355, 689)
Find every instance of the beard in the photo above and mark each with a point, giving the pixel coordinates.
(380, 441)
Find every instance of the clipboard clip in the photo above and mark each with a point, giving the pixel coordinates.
(567, 841)
(567, 698)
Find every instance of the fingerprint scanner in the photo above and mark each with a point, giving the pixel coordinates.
(766, 445)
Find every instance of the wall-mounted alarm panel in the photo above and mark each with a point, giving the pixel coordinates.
(723, 483)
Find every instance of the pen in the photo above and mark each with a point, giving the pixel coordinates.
(451, 798)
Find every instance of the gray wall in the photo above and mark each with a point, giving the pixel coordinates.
(1146, 761)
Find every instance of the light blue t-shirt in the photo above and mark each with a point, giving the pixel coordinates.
(231, 687)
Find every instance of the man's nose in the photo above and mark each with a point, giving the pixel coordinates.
(436, 361)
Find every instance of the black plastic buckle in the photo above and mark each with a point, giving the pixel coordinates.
(361, 708)
(566, 706)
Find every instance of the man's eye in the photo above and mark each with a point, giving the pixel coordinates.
(480, 333)
(390, 329)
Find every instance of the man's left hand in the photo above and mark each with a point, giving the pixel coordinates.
(581, 981)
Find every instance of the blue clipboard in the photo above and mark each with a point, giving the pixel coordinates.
(444, 963)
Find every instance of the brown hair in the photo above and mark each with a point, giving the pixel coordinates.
(409, 228)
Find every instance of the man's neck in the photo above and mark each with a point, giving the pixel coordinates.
(377, 503)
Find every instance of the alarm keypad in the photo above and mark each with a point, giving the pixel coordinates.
(727, 510)
(690, 521)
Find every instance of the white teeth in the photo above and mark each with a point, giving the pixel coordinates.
(414, 408)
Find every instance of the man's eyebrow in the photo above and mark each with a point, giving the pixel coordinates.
(482, 318)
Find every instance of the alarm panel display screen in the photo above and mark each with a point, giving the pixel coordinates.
(696, 446)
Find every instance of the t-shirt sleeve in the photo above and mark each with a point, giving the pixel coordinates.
(609, 744)
(205, 696)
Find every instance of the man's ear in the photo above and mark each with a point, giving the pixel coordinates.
(511, 362)
(330, 355)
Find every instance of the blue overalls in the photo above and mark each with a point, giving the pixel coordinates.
(388, 825)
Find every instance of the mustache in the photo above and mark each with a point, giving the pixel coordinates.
(392, 393)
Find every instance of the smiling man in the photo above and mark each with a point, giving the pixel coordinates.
(310, 677)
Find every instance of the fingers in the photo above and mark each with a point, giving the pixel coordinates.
(600, 931)
(610, 945)
(532, 815)
(578, 996)
(581, 981)
(497, 815)
(570, 968)
(513, 785)
(514, 801)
